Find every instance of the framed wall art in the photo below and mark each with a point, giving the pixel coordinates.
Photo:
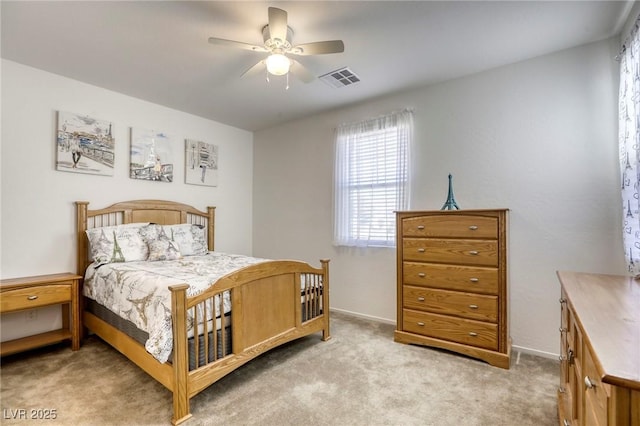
(201, 163)
(84, 144)
(151, 157)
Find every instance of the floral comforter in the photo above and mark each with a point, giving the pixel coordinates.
(139, 291)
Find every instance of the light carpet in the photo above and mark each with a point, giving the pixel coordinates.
(359, 377)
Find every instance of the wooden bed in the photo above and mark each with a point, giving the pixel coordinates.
(267, 305)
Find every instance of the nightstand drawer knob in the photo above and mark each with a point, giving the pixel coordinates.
(422, 274)
(473, 334)
(421, 324)
(474, 280)
(474, 252)
(420, 299)
(473, 227)
(421, 227)
(421, 250)
(34, 297)
(473, 306)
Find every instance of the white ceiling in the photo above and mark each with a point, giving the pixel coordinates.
(158, 50)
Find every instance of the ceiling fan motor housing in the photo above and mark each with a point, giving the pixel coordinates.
(273, 44)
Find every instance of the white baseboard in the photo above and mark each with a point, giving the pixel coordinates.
(368, 317)
(543, 354)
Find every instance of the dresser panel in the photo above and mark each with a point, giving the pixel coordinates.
(449, 226)
(452, 277)
(457, 252)
(465, 305)
(468, 332)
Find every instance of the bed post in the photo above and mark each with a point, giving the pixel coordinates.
(326, 334)
(211, 229)
(81, 240)
(181, 411)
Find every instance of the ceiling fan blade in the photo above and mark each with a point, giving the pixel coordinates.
(238, 44)
(277, 24)
(255, 69)
(301, 72)
(319, 48)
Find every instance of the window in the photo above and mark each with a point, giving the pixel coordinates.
(371, 179)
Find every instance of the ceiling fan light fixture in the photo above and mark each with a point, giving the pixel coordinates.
(278, 64)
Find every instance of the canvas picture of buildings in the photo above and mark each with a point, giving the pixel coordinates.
(84, 144)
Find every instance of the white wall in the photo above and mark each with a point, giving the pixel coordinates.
(38, 214)
(538, 137)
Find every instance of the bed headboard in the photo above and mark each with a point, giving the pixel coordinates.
(155, 211)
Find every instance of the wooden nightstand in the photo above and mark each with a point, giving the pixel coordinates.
(19, 294)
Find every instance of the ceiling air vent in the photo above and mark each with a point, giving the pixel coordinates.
(340, 78)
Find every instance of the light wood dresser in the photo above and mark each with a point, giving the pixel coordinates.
(18, 294)
(452, 282)
(600, 350)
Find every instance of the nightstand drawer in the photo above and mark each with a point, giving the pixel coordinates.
(468, 332)
(465, 305)
(451, 226)
(34, 297)
(451, 277)
(465, 252)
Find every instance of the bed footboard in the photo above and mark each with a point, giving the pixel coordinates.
(271, 303)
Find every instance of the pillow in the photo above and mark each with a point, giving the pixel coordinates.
(118, 243)
(162, 248)
(190, 238)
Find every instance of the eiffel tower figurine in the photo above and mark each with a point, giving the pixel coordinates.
(450, 204)
(117, 255)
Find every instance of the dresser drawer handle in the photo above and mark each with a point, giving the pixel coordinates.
(473, 306)
(421, 324)
(473, 227)
(474, 252)
(566, 422)
(589, 383)
(34, 297)
(421, 250)
(474, 280)
(420, 299)
(473, 334)
(422, 274)
(421, 227)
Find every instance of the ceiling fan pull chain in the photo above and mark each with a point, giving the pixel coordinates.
(287, 88)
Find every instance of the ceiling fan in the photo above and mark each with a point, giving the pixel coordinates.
(277, 37)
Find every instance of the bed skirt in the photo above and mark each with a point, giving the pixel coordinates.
(141, 336)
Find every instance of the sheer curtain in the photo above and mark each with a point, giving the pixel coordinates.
(371, 179)
(629, 138)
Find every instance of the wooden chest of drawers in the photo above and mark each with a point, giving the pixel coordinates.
(452, 282)
(600, 350)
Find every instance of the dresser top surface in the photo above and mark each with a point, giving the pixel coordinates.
(607, 308)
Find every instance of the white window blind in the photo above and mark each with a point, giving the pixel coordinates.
(371, 179)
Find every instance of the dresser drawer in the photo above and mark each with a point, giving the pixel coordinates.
(595, 394)
(34, 297)
(468, 332)
(451, 277)
(451, 226)
(465, 252)
(465, 305)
